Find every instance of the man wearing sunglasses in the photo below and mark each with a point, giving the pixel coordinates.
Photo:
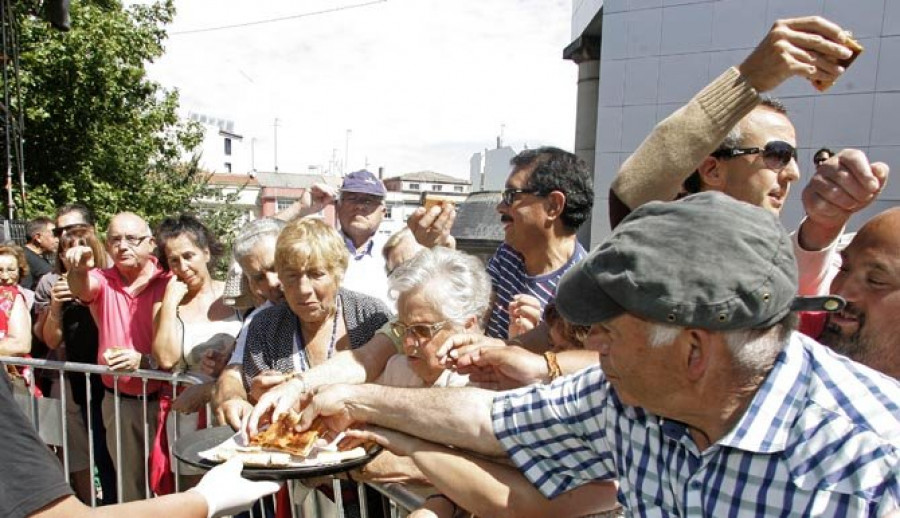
(730, 138)
(548, 195)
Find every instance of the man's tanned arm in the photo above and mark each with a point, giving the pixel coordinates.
(459, 417)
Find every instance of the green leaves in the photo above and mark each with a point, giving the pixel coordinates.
(97, 130)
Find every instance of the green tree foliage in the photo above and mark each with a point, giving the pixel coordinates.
(97, 130)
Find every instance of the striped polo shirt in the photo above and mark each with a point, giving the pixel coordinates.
(507, 270)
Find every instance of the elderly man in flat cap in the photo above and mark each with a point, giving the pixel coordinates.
(706, 401)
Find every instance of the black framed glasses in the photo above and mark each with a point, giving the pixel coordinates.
(508, 195)
(421, 332)
(777, 154)
(59, 231)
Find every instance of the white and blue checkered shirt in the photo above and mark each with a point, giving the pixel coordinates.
(820, 438)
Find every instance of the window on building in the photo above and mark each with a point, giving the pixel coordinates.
(227, 146)
(227, 167)
(283, 203)
(413, 187)
(388, 211)
(459, 188)
(437, 188)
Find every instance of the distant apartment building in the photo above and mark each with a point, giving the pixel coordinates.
(223, 150)
(405, 194)
(639, 60)
(488, 170)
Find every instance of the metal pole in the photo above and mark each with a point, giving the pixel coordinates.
(346, 167)
(4, 7)
(276, 144)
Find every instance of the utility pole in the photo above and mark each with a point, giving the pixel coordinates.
(253, 156)
(276, 143)
(346, 152)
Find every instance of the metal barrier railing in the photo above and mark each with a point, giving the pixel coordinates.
(399, 498)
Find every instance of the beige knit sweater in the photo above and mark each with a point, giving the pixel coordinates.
(680, 142)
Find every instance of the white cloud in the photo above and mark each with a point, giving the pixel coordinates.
(422, 84)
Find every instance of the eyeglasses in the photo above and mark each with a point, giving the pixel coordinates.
(421, 332)
(818, 160)
(508, 196)
(131, 241)
(59, 231)
(776, 155)
(365, 201)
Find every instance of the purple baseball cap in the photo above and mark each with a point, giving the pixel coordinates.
(363, 182)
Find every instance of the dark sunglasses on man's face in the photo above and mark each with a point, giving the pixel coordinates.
(59, 231)
(776, 155)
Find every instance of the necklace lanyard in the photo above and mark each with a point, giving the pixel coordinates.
(301, 349)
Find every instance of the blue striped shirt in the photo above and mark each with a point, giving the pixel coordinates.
(821, 437)
(507, 270)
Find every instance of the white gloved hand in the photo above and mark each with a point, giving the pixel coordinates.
(227, 492)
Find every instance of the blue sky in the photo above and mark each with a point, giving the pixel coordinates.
(421, 84)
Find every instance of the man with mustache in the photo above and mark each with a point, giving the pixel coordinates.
(868, 329)
(548, 195)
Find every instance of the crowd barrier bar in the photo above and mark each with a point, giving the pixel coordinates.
(400, 499)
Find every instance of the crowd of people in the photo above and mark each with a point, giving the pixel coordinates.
(743, 368)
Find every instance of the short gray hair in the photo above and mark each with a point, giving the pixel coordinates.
(254, 232)
(458, 284)
(735, 137)
(753, 350)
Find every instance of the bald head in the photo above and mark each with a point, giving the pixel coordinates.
(129, 219)
(868, 329)
(129, 241)
(882, 231)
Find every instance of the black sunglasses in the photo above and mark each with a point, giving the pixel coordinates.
(776, 155)
(509, 195)
(59, 231)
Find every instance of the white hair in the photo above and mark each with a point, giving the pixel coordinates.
(458, 284)
(254, 232)
(753, 350)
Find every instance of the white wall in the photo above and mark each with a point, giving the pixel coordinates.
(656, 54)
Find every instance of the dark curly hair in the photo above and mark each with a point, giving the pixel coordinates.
(189, 225)
(554, 169)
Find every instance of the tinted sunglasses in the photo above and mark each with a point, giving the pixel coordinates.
(59, 231)
(422, 332)
(508, 196)
(776, 155)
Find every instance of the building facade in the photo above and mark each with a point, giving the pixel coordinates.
(223, 150)
(405, 195)
(639, 60)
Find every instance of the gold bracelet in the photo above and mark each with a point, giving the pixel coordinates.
(552, 365)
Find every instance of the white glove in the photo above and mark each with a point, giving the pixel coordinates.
(227, 492)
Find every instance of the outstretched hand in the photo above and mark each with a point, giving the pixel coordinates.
(273, 404)
(227, 493)
(461, 343)
(431, 227)
(329, 404)
(393, 441)
(79, 258)
(525, 314)
(842, 186)
(502, 368)
(807, 47)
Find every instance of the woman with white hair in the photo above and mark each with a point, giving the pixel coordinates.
(440, 292)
